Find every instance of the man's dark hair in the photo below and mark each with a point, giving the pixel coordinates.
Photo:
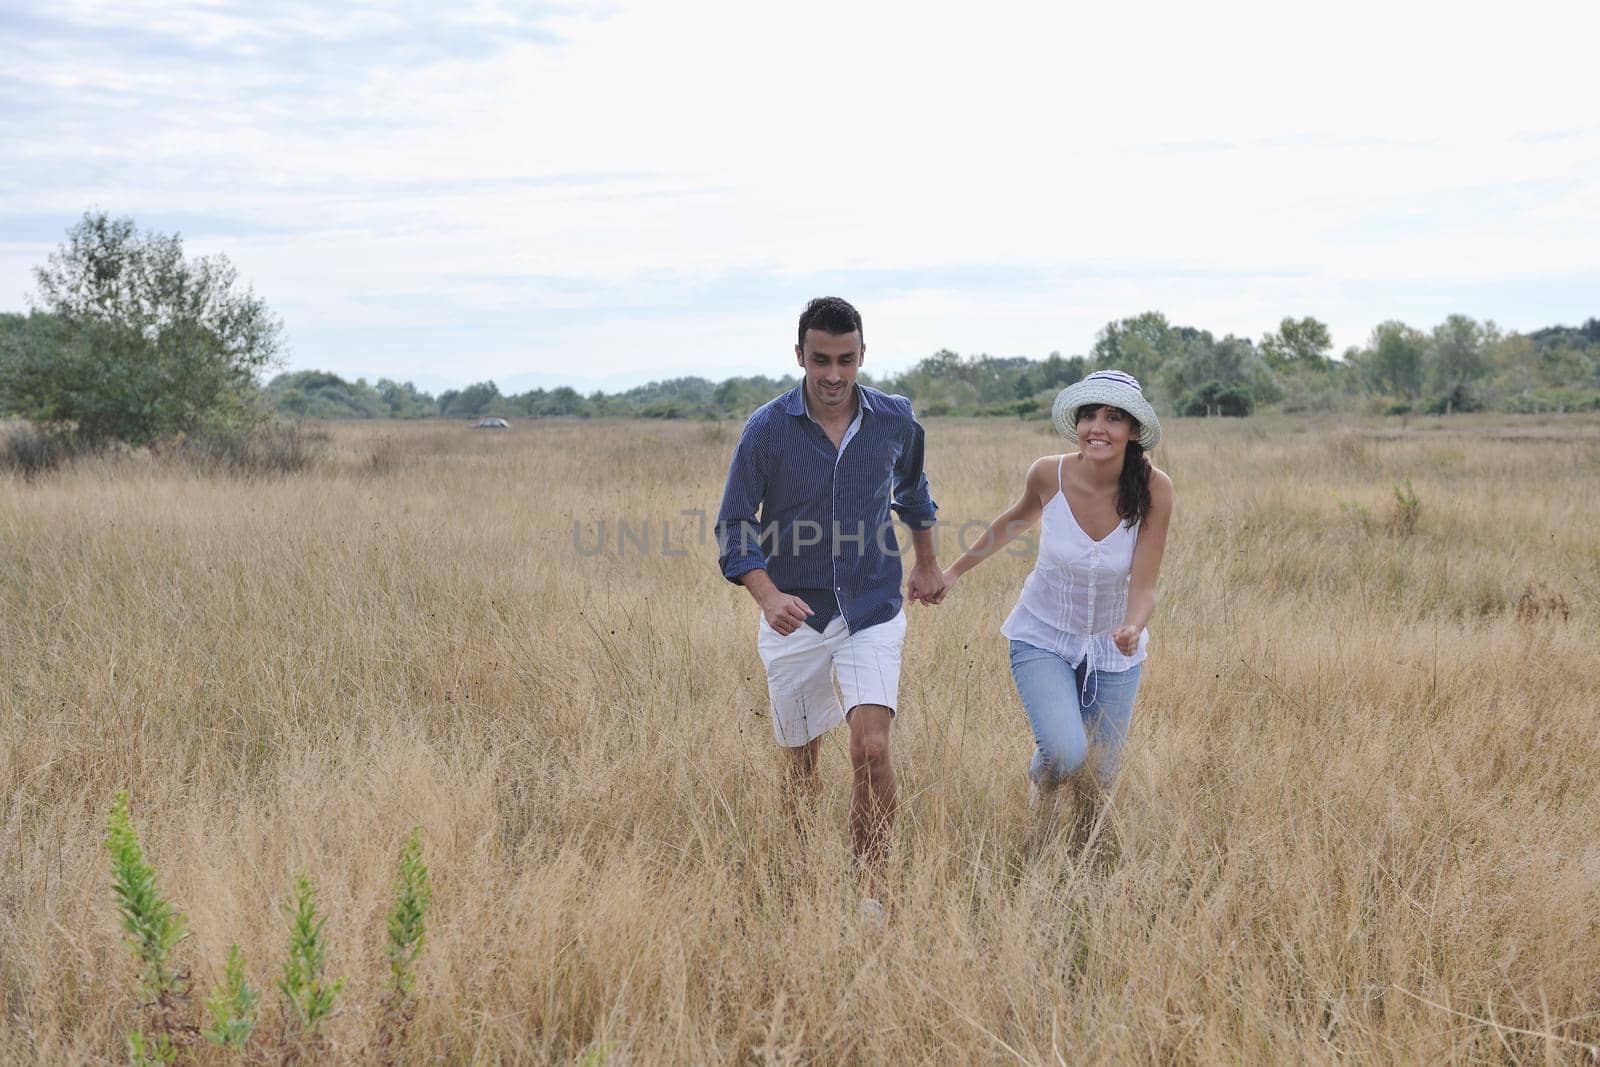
(832, 315)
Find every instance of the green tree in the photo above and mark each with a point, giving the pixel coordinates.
(404, 401)
(321, 395)
(1514, 362)
(1216, 398)
(137, 341)
(25, 341)
(1297, 343)
(1052, 374)
(601, 403)
(564, 400)
(741, 396)
(995, 377)
(691, 390)
(1459, 360)
(1568, 357)
(1140, 346)
(470, 402)
(928, 383)
(1395, 358)
(14, 331)
(1579, 347)
(1211, 377)
(946, 382)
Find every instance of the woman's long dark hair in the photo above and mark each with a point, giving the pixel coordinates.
(1133, 484)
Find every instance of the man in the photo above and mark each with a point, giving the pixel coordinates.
(823, 464)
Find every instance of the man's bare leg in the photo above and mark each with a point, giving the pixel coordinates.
(802, 782)
(872, 794)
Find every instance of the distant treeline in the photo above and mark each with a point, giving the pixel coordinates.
(1459, 365)
(131, 340)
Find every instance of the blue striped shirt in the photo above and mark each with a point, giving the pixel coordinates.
(816, 518)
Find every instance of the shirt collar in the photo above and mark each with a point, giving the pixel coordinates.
(795, 402)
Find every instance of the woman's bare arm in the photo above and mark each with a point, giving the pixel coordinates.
(1146, 564)
(1040, 486)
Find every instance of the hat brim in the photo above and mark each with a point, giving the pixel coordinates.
(1114, 394)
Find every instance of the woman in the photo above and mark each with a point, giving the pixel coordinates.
(1078, 632)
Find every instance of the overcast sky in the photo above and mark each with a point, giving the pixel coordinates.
(602, 195)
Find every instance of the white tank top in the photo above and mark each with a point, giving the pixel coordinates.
(1077, 593)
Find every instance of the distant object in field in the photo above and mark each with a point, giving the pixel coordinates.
(491, 424)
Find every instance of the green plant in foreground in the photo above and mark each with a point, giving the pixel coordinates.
(150, 1052)
(407, 925)
(407, 932)
(309, 995)
(153, 928)
(232, 1005)
(1407, 505)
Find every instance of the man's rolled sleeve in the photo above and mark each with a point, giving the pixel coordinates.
(912, 500)
(738, 532)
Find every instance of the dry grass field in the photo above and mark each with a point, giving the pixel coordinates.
(1359, 820)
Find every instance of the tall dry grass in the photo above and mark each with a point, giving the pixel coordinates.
(1360, 816)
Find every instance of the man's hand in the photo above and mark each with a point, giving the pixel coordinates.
(927, 583)
(1127, 639)
(784, 612)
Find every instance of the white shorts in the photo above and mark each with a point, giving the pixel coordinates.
(800, 670)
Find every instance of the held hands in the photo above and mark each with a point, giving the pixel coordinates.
(928, 584)
(785, 612)
(1126, 639)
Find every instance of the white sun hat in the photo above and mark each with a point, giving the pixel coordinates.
(1111, 387)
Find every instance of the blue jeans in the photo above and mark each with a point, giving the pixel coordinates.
(1068, 732)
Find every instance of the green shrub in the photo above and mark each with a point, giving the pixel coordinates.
(32, 452)
(1553, 401)
(268, 448)
(407, 933)
(407, 921)
(1462, 398)
(1215, 398)
(307, 994)
(150, 1052)
(152, 929)
(1407, 506)
(1015, 408)
(232, 1005)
